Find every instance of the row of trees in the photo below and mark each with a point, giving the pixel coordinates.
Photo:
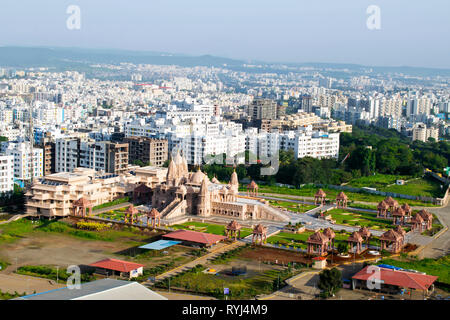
(366, 151)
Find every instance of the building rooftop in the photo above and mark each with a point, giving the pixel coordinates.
(399, 278)
(117, 265)
(104, 289)
(194, 236)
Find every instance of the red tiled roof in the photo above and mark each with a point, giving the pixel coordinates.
(320, 258)
(194, 236)
(399, 278)
(117, 265)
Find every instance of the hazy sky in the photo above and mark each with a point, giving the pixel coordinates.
(413, 32)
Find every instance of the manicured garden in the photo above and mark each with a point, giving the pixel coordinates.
(299, 240)
(112, 203)
(240, 287)
(209, 228)
(117, 214)
(296, 207)
(359, 218)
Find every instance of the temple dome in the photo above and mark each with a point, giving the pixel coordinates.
(234, 179)
(197, 177)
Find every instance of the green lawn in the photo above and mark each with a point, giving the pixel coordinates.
(359, 218)
(376, 181)
(435, 267)
(291, 239)
(299, 239)
(418, 187)
(296, 207)
(310, 191)
(209, 228)
(118, 214)
(111, 203)
(20, 228)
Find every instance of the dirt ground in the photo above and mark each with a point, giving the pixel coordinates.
(275, 256)
(253, 268)
(55, 249)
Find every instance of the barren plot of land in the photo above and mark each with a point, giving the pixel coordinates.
(54, 249)
(275, 256)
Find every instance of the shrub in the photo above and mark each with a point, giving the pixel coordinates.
(91, 226)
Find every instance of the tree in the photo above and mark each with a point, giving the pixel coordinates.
(330, 281)
(342, 247)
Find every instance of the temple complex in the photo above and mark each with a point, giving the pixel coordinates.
(192, 193)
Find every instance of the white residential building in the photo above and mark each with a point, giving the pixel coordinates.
(304, 142)
(22, 161)
(6, 173)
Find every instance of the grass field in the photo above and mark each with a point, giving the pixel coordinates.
(435, 267)
(376, 181)
(209, 228)
(20, 228)
(309, 191)
(296, 207)
(418, 187)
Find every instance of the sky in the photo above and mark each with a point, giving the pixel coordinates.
(412, 32)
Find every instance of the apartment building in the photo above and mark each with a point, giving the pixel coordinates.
(262, 109)
(105, 156)
(305, 142)
(421, 132)
(23, 161)
(6, 173)
(147, 150)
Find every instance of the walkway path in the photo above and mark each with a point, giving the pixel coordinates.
(201, 260)
(440, 246)
(115, 207)
(435, 247)
(17, 217)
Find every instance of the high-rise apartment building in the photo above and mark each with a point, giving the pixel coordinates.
(147, 150)
(109, 157)
(262, 109)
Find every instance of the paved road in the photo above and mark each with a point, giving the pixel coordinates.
(440, 246)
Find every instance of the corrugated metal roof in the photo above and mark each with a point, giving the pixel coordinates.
(159, 245)
(104, 289)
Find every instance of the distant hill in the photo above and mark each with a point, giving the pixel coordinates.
(66, 58)
(57, 57)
